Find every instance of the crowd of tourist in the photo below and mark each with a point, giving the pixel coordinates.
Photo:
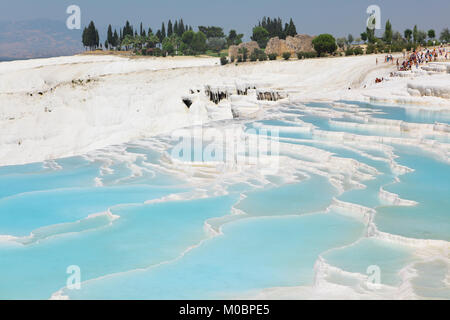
(418, 57)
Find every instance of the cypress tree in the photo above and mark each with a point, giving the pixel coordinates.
(110, 39)
(115, 39)
(181, 28)
(175, 28)
(388, 32)
(286, 30)
(90, 36)
(127, 30)
(292, 29)
(84, 37)
(97, 38)
(275, 27)
(159, 35)
(415, 33)
(169, 28)
(370, 35)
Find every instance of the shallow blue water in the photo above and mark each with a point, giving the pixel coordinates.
(144, 235)
(429, 185)
(21, 214)
(239, 261)
(312, 195)
(35, 177)
(407, 113)
(389, 257)
(165, 249)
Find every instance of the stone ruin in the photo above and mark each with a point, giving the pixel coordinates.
(233, 51)
(301, 42)
(217, 94)
(270, 95)
(242, 89)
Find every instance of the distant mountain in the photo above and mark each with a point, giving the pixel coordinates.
(39, 38)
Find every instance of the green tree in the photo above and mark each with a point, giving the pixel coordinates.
(431, 34)
(175, 27)
(127, 30)
(415, 33)
(364, 36)
(199, 42)
(90, 36)
(341, 42)
(139, 42)
(445, 35)
(216, 44)
(168, 46)
(397, 37)
(127, 42)
(387, 37)
(169, 28)
(151, 40)
(115, 42)
(371, 35)
(188, 37)
(421, 36)
(159, 35)
(223, 60)
(290, 29)
(234, 38)
(243, 54)
(260, 35)
(324, 43)
(181, 28)
(350, 39)
(212, 32)
(286, 55)
(408, 34)
(109, 37)
(275, 27)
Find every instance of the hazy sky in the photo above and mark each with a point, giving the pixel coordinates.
(338, 17)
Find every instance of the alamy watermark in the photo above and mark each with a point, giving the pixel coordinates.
(74, 280)
(74, 19)
(229, 148)
(374, 277)
(374, 19)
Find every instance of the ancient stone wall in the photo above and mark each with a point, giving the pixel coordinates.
(233, 51)
(276, 46)
(301, 42)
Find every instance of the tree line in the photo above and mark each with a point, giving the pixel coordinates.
(172, 38)
(179, 38)
(272, 27)
(396, 41)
